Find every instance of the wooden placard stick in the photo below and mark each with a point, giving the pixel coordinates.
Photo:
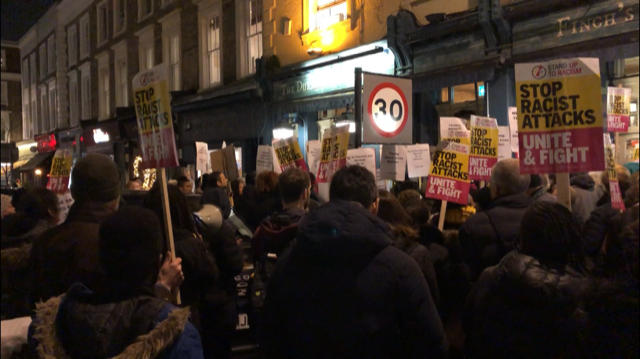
(443, 213)
(168, 226)
(564, 189)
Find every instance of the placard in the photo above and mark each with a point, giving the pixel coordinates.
(449, 175)
(393, 163)
(60, 171)
(513, 127)
(202, 156)
(388, 114)
(314, 152)
(618, 109)
(484, 147)
(617, 202)
(335, 144)
(363, 157)
(155, 122)
(289, 154)
(453, 129)
(65, 201)
(264, 160)
(418, 161)
(560, 116)
(504, 143)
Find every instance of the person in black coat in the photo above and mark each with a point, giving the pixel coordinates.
(344, 290)
(487, 236)
(601, 220)
(268, 199)
(587, 195)
(529, 304)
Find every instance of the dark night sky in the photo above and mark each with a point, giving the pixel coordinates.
(19, 15)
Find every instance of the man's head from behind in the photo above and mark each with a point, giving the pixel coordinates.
(506, 179)
(355, 184)
(130, 248)
(95, 178)
(295, 186)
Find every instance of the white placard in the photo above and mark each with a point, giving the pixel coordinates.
(418, 160)
(393, 163)
(364, 157)
(275, 163)
(513, 125)
(65, 201)
(504, 143)
(449, 126)
(264, 160)
(314, 152)
(202, 156)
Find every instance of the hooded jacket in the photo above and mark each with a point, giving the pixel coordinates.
(276, 233)
(79, 326)
(587, 195)
(344, 291)
(487, 236)
(600, 222)
(68, 254)
(523, 308)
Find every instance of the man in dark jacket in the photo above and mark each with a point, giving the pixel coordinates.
(68, 254)
(528, 306)
(587, 195)
(345, 291)
(122, 317)
(487, 236)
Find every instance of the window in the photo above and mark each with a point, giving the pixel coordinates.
(327, 13)
(34, 116)
(254, 34)
(105, 96)
(3, 59)
(26, 115)
(146, 50)
(85, 92)
(145, 9)
(174, 62)
(51, 59)
(43, 60)
(44, 107)
(85, 36)
(123, 82)
(213, 50)
(149, 58)
(72, 43)
(25, 73)
(33, 73)
(103, 23)
(73, 99)
(5, 94)
(53, 107)
(119, 16)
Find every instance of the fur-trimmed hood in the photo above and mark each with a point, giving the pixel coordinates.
(58, 332)
(16, 258)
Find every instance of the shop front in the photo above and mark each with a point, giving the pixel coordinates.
(99, 137)
(310, 97)
(35, 171)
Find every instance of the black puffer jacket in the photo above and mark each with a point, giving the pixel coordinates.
(346, 292)
(229, 260)
(487, 236)
(600, 222)
(422, 256)
(198, 265)
(522, 308)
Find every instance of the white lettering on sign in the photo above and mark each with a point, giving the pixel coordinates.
(100, 136)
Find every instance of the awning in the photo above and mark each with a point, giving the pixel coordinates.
(36, 161)
(18, 164)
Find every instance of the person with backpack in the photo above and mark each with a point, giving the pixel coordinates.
(277, 232)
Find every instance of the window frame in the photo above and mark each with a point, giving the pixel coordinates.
(72, 51)
(121, 68)
(172, 48)
(85, 37)
(146, 47)
(118, 29)
(102, 21)
(104, 86)
(74, 113)
(43, 65)
(85, 92)
(51, 54)
(250, 64)
(44, 107)
(4, 93)
(141, 16)
(52, 97)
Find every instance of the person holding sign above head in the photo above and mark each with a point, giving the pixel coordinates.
(487, 236)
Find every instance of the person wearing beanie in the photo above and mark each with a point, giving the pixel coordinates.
(538, 190)
(122, 317)
(529, 304)
(601, 221)
(487, 236)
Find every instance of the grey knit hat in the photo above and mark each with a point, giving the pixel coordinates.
(95, 178)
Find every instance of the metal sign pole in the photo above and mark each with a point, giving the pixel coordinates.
(358, 104)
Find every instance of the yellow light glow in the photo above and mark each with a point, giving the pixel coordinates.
(38, 172)
(327, 37)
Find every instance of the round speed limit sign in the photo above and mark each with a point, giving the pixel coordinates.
(388, 109)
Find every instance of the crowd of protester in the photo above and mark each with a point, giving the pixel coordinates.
(367, 274)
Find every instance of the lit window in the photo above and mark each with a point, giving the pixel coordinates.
(331, 12)
(445, 95)
(119, 16)
(254, 34)
(213, 50)
(174, 62)
(103, 23)
(72, 41)
(149, 58)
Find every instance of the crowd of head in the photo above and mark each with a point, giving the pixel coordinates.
(367, 274)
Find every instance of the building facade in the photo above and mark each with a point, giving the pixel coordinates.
(11, 93)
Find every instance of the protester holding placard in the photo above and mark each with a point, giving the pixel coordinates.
(289, 154)
(449, 174)
(335, 144)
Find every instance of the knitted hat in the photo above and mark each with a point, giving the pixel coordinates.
(95, 178)
(536, 181)
(130, 247)
(548, 231)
